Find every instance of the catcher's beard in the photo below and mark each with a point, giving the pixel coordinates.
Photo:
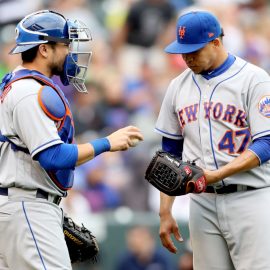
(57, 68)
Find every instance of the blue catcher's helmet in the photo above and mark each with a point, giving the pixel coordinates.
(40, 27)
(45, 26)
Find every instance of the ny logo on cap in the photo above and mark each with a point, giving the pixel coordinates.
(182, 31)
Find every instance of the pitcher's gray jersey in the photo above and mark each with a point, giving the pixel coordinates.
(23, 121)
(219, 118)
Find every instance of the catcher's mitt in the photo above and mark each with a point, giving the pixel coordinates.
(81, 243)
(174, 177)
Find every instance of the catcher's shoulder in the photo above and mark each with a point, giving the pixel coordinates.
(22, 89)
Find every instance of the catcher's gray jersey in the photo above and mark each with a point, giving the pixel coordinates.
(219, 118)
(24, 122)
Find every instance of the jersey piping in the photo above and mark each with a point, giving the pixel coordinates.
(177, 136)
(209, 120)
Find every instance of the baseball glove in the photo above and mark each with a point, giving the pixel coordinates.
(174, 177)
(81, 243)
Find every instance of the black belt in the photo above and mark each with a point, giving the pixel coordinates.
(227, 189)
(40, 194)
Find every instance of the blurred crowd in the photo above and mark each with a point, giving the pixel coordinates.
(146, 255)
(127, 79)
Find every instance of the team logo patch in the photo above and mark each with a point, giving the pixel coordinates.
(264, 106)
(182, 31)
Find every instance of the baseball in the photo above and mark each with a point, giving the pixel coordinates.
(134, 142)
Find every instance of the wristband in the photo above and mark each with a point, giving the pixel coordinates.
(100, 146)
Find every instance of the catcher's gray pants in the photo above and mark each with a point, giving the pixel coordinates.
(231, 231)
(31, 234)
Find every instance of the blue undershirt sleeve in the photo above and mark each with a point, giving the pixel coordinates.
(261, 148)
(172, 146)
(59, 157)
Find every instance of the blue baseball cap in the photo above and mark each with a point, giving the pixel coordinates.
(193, 31)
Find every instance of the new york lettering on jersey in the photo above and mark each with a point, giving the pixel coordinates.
(217, 111)
(224, 115)
(209, 110)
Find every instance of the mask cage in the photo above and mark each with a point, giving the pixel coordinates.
(80, 38)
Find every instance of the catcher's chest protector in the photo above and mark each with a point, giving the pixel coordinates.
(53, 102)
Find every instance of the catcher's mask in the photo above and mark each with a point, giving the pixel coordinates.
(48, 26)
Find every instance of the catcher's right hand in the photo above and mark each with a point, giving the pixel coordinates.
(174, 177)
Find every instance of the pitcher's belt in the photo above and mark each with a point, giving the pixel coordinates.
(39, 194)
(227, 189)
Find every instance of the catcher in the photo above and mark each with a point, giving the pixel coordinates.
(38, 153)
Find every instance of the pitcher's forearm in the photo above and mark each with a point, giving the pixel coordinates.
(166, 203)
(246, 161)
